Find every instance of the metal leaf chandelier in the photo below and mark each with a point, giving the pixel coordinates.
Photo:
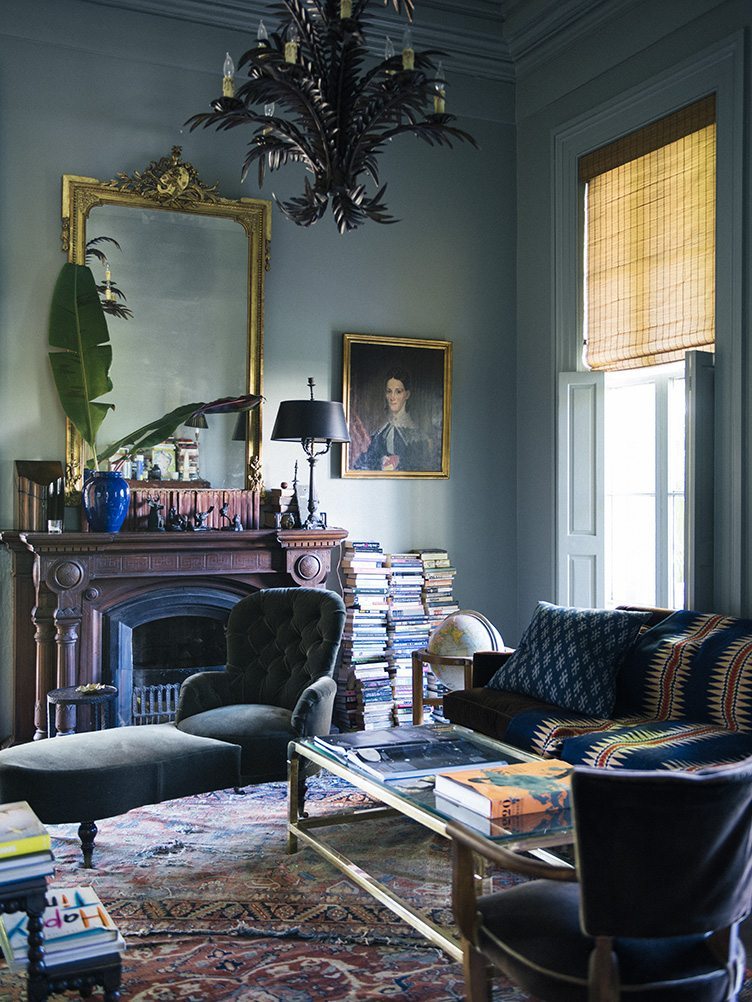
(312, 101)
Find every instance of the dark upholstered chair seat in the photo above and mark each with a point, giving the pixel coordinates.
(554, 965)
(100, 774)
(263, 733)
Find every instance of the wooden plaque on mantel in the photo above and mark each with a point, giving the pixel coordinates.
(188, 500)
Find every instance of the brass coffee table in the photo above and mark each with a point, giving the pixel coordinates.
(414, 799)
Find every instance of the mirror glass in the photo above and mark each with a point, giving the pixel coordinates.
(191, 266)
(183, 279)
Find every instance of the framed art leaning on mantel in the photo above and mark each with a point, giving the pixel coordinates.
(397, 396)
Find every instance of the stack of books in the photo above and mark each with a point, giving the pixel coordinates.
(408, 628)
(77, 927)
(505, 792)
(364, 695)
(24, 844)
(438, 583)
(278, 501)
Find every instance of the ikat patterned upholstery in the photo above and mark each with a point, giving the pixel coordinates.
(632, 743)
(570, 657)
(693, 667)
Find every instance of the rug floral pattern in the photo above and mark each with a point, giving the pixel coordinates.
(213, 908)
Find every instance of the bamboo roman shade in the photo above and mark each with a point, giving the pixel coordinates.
(650, 266)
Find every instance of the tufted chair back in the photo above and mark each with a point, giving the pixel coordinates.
(279, 640)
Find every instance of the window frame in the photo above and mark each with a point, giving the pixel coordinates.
(718, 69)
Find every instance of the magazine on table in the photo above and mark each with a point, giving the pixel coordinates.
(413, 759)
(341, 744)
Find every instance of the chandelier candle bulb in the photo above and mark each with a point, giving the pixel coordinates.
(262, 35)
(439, 99)
(228, 77)
(388, 51)
(292, 40)
(408, 52)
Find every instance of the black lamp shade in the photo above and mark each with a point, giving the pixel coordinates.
(317, 420)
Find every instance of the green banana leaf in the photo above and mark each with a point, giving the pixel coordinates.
(163, 427)
(81, 365)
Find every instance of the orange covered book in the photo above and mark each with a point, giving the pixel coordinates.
(506, 791)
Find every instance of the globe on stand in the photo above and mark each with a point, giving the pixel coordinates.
(461, 635)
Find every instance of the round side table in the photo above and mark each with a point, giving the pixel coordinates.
(101, 701)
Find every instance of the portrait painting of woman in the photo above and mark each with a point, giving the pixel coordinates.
(397, 402)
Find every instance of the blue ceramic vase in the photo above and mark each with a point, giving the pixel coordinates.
(105, 500)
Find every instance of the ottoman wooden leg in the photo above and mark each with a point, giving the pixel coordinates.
(87, 832)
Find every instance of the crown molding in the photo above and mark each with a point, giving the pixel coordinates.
(536, 30)
(469, 31)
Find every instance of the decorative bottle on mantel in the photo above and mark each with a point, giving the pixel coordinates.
(105, 499)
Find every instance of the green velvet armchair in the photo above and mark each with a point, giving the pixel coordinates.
(278, 684)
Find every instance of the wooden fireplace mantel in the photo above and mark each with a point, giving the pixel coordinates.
(65, 583)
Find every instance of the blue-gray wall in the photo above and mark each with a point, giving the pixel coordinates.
(572, 83)
(87, 90)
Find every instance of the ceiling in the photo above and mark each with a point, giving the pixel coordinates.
(486, 38)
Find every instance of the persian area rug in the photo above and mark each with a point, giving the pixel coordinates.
(213, 908)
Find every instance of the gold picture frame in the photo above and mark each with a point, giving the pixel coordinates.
(397, 395)
(173, 186)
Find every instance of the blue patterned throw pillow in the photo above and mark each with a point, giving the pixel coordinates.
(570, 657)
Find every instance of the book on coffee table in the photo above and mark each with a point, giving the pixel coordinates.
(506, 791)
(77, 926)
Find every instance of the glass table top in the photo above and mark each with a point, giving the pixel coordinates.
(415, 795)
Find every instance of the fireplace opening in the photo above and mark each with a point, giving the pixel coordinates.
(166, 652)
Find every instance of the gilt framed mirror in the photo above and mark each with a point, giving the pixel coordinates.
(185, 268)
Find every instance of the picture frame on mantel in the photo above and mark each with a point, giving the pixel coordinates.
(397, 394)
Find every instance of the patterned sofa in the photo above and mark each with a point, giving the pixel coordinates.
(681, 696)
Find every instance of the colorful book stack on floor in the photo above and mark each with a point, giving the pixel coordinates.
(364, 697)
(438, 602)
(77, 927)
(438, 584)
(408, 628)
(24, 844)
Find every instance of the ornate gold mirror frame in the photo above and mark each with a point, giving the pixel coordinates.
(172, 185)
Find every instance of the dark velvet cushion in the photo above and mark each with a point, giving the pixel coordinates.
(100, 774)
(488, 710)
(554, 964)
(570, 657)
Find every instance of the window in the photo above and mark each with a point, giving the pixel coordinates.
(650, 242)
(648, 300)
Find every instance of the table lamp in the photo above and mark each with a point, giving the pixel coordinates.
(310, 422)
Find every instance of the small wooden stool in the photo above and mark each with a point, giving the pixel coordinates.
(101, 702)
(424, 657)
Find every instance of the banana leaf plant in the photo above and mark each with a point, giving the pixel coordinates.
(81, 364)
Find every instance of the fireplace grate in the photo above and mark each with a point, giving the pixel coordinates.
(154, 704)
